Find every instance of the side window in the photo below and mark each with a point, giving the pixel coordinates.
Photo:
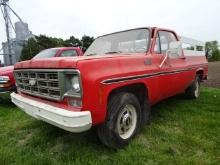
(165, 38)
(68, 53)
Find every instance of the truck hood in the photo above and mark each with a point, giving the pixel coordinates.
(5, 70)
(8, 71)
(58, 62)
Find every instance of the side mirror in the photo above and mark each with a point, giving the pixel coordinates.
(175, 49)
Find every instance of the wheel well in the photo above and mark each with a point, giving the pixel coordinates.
(139, 90)
(200, 74)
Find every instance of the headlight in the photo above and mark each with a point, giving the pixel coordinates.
(4, 79)
(75, 84)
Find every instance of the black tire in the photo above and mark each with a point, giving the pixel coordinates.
(109, 131)
(145, 113)
(193, 91)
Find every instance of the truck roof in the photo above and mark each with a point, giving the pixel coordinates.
(65, 48)
(153, 28)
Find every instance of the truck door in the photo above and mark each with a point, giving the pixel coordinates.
(170, 73)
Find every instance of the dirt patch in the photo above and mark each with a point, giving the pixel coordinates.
(214, 75)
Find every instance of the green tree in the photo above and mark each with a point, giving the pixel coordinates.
(35, 45)
(30, 49)
(46, 42)
(212, 50)
(72, 41)
(41, 42)
(86, 42)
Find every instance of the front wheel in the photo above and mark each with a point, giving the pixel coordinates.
(123, 120)
(193, 91)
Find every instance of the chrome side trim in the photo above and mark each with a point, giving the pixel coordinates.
(122, 79)
(136, 77)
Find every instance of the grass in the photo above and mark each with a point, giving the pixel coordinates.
(181, 132)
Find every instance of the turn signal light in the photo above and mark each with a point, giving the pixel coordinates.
(75, 102)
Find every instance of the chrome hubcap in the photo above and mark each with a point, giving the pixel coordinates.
(127, 121)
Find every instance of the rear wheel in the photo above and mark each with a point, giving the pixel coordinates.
(193, 91)
(123, 120)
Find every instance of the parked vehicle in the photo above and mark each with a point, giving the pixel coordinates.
(113, 85)
(7, 82)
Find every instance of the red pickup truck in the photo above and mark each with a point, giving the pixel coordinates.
(7, 82)
(113, 85)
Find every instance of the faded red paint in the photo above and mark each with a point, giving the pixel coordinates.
(95, 69)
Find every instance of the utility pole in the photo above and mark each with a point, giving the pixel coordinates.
(9, 48)
(8, 28)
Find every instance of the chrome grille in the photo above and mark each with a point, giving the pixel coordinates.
(40, 83)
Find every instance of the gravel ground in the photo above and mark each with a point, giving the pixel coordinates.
(214, 75)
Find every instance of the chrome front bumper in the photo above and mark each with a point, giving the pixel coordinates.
(62, 118)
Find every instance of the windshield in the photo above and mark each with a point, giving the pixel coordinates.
(46, 53)
(131, 41)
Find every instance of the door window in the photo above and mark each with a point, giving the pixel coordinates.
(68, 53)
(164, 38)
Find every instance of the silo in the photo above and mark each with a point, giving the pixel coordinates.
(21, 30)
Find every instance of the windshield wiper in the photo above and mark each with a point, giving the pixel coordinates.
(113, 52)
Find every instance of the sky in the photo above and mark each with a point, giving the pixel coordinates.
(198, 19)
